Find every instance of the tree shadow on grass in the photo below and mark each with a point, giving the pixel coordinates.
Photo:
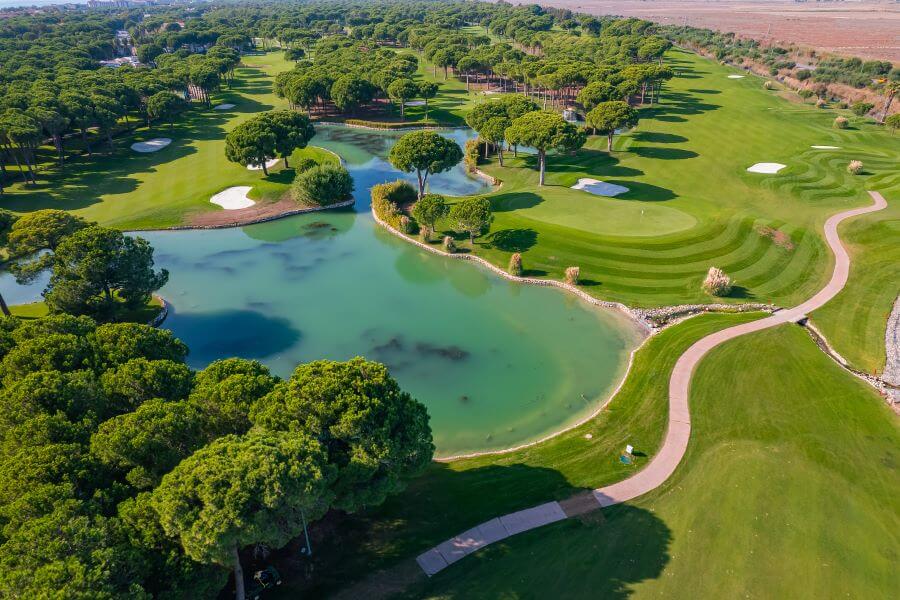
(655, 137)
(510, 201)
(596, 557)
(444, 502)
(739, 291)
(512, 240)
(640, 191)
(663, 153)
(703, 91)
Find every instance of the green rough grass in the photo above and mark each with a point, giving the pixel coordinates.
(451, 497)
(789, 490)
(144, 314)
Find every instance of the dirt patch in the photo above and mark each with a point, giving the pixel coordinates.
(778, 237)
(258, 213)
(867, 28)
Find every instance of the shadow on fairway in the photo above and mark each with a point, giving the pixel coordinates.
(512, 240)
(655, 137)
(663, 153)
(510, 201)
(645, 192)
(437, 505)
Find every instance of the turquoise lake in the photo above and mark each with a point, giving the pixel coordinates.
(497, 363)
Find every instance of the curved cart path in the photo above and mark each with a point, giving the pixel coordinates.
(653, 475)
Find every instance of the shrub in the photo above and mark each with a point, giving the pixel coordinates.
(717, 283)
(841, 123)
(425, 233)
(449, 244)
(471, 154)
(305, 164)
(803, 75)
(323, 185)
(572, 274)
(893, 122)
(861, 109)
(820, 103)
(388, 197)
(855, 167)
(769, 85)
(407, 225)
(805, 93)
(515, 265)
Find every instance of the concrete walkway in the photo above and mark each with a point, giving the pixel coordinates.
(678, 434)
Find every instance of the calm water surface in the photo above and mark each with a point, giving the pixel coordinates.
(497, 363)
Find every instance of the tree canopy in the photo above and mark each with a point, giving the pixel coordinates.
(545, 131)
(425, 153)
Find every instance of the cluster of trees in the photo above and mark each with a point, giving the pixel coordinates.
(124, 473)
(95, 270)
(268, 135)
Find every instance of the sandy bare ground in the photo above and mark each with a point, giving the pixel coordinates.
(867, 28)
(258, 213)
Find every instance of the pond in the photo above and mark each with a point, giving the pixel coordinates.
(496, 362)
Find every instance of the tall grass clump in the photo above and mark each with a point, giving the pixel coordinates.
(855, 167)
(572, 274)
(717, 283)
(840, 123)
(449, 245)
(515, 265)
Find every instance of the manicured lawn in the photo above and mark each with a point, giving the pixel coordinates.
(143, 314)
(789, 490)
(130, 190)
(451, 497)
(692, 205)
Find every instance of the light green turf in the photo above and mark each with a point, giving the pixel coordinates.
(789, 490)
(449, 498)
(141, 191)
(144, 314)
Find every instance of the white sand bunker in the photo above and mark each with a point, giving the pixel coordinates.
(826, 147)
(223, 107)
(414, 103)
(269, 164)
(768, 168)
(233, 198)
(599, 188)
(154, 145)
(735, 77)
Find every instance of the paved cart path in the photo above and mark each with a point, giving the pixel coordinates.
(663, 464)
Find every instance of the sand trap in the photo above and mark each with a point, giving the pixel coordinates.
(768, 168)
(223, 107)
(269, 164)
(599, 188)
(154, 145)
(826, 147)
(735, 77)
(414, 103)
(233, 198)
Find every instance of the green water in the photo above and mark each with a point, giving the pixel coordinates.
(497, 363)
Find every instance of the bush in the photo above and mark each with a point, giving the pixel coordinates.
(855, 167)
(806, 93)
(861, 109)
(572, 274)
(385, 125)
(717, 283)
(425, 233)
(769, 85)
(820, 103)
(323, 185)
(407, 225)
(841, 123)
(803, 75)
(388, 197)
(305, 164)
(893, 122)
(449, 244)
(471, 154)
(515, 265)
